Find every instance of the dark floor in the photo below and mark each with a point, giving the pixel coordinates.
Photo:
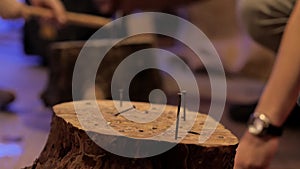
(24, 130)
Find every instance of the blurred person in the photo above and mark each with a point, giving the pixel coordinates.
(275, 25)
(12, 9)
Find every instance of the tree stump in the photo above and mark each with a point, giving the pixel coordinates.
(62, 59)
(69, 145)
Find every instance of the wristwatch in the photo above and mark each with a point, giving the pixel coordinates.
(260, 125)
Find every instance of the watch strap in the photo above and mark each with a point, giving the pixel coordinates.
(268, 128)
(274, 130)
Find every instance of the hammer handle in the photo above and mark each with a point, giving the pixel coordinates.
(73, 18)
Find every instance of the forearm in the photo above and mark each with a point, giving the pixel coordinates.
(282, 89)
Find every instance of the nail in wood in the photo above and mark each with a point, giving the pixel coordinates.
(124, 111)
(121, 97)
(184, 104)
(178, 115)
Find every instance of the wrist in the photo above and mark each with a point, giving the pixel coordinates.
(260, 125)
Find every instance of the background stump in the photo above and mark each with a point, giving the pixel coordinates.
(69, 145)
(62, 59)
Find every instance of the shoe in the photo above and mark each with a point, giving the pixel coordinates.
(6, 97)
(241, 113)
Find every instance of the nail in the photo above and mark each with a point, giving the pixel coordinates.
(124, 111)
(193, 132)
(184, 104)
(178, 113)
(121, 97)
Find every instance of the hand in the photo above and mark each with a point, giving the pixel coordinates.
(56, 6)
(10, 9)
(255, 153)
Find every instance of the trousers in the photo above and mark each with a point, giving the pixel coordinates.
(265, 20)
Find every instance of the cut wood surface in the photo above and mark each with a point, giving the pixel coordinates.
(69, 144)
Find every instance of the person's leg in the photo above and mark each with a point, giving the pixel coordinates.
(265, 20)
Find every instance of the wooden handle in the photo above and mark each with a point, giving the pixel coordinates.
(79, 19)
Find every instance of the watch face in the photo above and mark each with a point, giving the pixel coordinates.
(256, 126)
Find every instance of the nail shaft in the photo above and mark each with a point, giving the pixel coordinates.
(193, 132)
(178, 115)
(124, 111)
(121, 97)
(184, 104)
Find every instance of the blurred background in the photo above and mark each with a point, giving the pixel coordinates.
(37, 60)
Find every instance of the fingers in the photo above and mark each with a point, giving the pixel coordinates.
(57, 8)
